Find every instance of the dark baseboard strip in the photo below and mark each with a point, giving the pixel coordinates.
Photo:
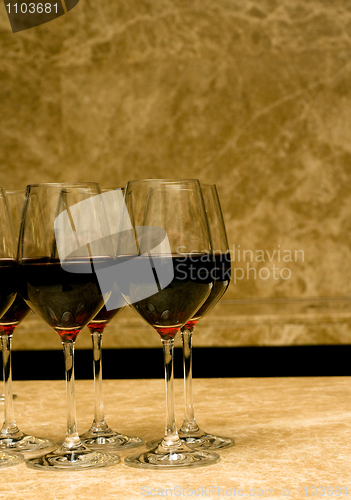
(290, 361)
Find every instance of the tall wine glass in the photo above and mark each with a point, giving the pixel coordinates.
(100, 436)
(10, 435)
(166, 276)
(190, 432)
(64, 242)
(8, 289)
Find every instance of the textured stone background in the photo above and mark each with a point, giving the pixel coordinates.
(254, 96)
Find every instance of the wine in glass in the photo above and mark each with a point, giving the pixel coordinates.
(8, 290)
(64, 241)
(10, 435)
(100, 436)
(166, 275)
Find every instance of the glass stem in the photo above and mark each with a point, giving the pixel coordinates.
(171, 438)
(9, 427)
(189, 425)
(72, 440)
(99, 423)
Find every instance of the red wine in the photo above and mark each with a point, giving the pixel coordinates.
(115, 303)
(66, 299)
(18, 311)
(220, 285)
(98, 324)
(171, 307)
(113, 307)
(8, 283)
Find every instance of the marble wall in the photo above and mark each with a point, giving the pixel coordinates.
(254, 96)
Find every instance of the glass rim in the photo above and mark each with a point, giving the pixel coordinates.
(164, 180)
(15, 191)
(60, 184)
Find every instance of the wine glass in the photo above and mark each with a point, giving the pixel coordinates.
(165, 275)
(10, 435)
(190, 433)
(8, 290)
(64, 240)
(100, 436)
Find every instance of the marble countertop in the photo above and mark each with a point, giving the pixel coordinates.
(289, 433)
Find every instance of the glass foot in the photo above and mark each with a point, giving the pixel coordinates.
(24, 443)
(182, 456)
(9, 459)
(204, 442)
(208, 442)
(77, 459)
(109, 440)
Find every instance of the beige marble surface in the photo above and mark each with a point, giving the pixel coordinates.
(254, 96)
(288, 432)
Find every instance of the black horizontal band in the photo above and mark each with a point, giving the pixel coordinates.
(208, 362)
